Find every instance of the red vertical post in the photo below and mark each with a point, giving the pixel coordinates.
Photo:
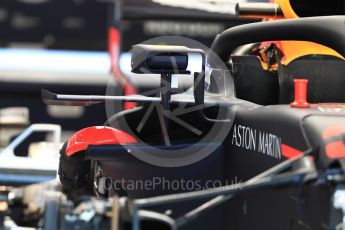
(301, 93)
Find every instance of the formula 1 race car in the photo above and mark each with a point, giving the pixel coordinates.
(272, 136)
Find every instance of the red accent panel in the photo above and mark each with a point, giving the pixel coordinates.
(290, 152)
(335, 149)
(333, 131)
(301, 92)
(97, 135)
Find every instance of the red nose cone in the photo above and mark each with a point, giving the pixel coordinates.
(301, 89)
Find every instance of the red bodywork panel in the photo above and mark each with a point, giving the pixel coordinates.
(97, 135)
(335, 149)
(290, 152)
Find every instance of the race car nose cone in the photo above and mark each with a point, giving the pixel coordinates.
(300, 94)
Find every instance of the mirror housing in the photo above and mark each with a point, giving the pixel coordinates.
(160, 59)
(167, 60)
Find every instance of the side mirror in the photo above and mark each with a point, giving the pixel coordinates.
(160, 59)
(167, 60)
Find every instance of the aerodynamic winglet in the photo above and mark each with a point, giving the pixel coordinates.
(86, 100)
(50, 98)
